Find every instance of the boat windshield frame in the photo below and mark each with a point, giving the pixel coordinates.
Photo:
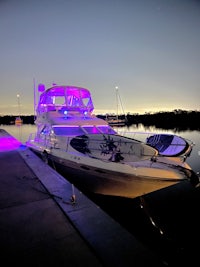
(67, 130)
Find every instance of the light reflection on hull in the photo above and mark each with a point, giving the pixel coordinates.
(105, 182)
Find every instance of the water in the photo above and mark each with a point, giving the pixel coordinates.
(166, 221)
(21, 132)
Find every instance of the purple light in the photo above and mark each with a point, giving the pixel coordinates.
(70, 97)
(8, 143)
(41, 87)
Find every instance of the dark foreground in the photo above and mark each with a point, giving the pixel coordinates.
(166, 221)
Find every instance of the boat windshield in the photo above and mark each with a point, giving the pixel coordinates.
(87, 129)
(99, 129)
(68, 130)
(106, 129)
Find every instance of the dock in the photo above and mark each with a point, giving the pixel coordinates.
(46, 221)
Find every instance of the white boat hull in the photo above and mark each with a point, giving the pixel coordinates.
(115, 179)
(111, 183)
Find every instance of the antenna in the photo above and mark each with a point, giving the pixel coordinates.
(116, 88)
(18, 101)
(34, 97)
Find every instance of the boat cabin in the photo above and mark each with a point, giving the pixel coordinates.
(65, 99)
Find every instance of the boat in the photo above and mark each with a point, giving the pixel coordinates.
(90, 152)
(18, 119)
(116, 119)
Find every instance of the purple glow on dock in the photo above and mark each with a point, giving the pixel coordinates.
(8, 143)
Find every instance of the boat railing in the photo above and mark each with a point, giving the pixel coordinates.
(112, 147)
(31, 137)
(110, 144)
(62, 108)
(143, 137)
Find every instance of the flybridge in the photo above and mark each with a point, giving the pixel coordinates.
(65, 99)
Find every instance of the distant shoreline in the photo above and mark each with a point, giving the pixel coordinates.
(177, 119)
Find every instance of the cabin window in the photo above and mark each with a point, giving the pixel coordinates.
(59, 100)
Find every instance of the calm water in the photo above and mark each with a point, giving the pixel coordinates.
(167, 221)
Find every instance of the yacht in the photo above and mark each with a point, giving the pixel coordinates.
(90, 152)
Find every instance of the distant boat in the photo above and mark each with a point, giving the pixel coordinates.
(116, 119)
(18, 119)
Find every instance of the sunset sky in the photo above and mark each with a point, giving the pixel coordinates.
(150, 49)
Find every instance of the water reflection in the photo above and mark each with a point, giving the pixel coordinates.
(21, 132)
